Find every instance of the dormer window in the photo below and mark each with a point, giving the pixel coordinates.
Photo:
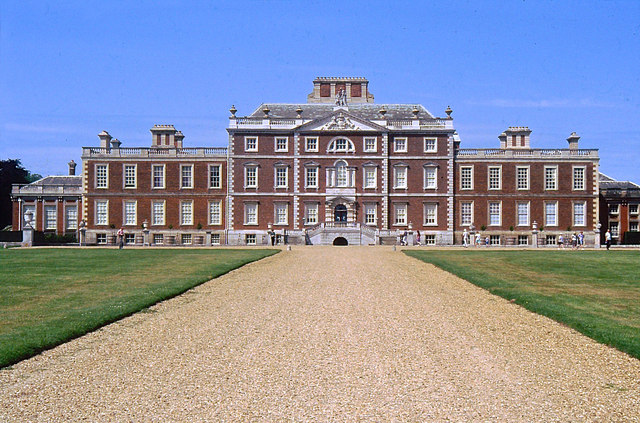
(341, 145)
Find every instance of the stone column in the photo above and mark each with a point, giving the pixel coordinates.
(27, 230)
(534, 234)
(596, 232)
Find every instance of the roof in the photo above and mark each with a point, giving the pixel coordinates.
(58, 180)
(363, 110)
(607, 182)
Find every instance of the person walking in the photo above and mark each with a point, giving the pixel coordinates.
(560, 242)
(581, 240)
(465, 238)
(607, 239)
(478, 239)
(120, 238)
(418, 237)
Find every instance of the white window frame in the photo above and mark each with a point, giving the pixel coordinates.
(340, 182)
(96, 213)
(277, 148)
(631, 211)
(426, 170)
(246, 143)
(397, 208)
(584, 213)
(277, 207)
(397, 182)
(315, 169)
(614, 227)
(158, 219)
(462, 178)
(182, 176)
(518, 204)
(248, 168)
(426, 219)
(463, 222)
(370, 207)
(125, 216)
(374, 171)
(555, 178)
(490, 179)
(490, 214)
(50, 221)
(101, 181)
(368, 149)
(71, 222)
(546, 222)
(633, 226)
(153, 176)
(427, 145)
(311, 149)
(400, 147)
(276, 181)
(527, 180)
(247, 206)
(186, 219)
(215, 217)
(348, 148)
(311, 209)
(211, 176)
(134, 176)
(574, 180)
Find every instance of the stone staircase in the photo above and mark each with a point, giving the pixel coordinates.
(353, 233)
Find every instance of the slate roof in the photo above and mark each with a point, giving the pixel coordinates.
(58, 180)
(367, 111)
(607, 182)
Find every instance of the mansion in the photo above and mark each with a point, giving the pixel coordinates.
(338, 169)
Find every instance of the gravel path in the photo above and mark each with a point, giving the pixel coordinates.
(328, 334)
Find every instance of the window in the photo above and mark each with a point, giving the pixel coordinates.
(158, 239)
(186, 239)
(130, 208)
(429, 240)
(129, 176)
(633, 226)
(311, 177)
(250, 143)
(251, 177)
(400, 145)
(282, 144)
(400, 177)
(551, 213)
(430, 145)
(281, 214)
(633, 209)
(495, 177)
(215, 212)
(342, 174)
(370, 217)
(157, 213)
(523, 240)
(466, 177)
(311, 144)
(50, 217)
(578, 178)
(102, 214)
(494, 239)
(466, 213)
(522, 177)
(523, 213)
(550, 178)
(186, 212)
(251, 213)
(430, 177)
(71, 217)
(550, 240)
(101, 239)
(430, 214)
(370, 145)
(186, 176)
(614, 228)
(579, 211)
(494, 213)
(282, 180)
(102, 180)
(401, 214)
(250, 239)
(341, 145)
(311, 213)
(215, 239)
(158, 176)
(370, 176)
(215, 176)
(130, 239)
(614, 208)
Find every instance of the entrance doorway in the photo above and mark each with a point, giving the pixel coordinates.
(340, 213)
(340, 241)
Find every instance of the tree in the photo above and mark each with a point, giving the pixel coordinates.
(11, 172)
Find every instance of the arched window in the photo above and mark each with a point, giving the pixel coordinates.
(342, 174)
(341, 145)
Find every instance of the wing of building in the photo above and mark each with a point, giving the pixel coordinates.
(339, 169)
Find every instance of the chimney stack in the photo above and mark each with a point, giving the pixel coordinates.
(166, 136)
(105, 139)
(573, 141)
(516, 137)
(72, 168)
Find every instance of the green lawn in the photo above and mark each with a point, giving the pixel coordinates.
(49, 296)
(594, 292)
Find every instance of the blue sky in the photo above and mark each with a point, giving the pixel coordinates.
(70, 69)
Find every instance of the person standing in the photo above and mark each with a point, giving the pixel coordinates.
(465, 238)
(418, 237)
(478, 238)
(581, 240)
(607, 239)
(120, 238)
(560, 242)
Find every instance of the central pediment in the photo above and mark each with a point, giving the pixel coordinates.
(341, 120)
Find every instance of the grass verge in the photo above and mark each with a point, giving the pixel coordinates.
(50, 296)
(595, 292)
